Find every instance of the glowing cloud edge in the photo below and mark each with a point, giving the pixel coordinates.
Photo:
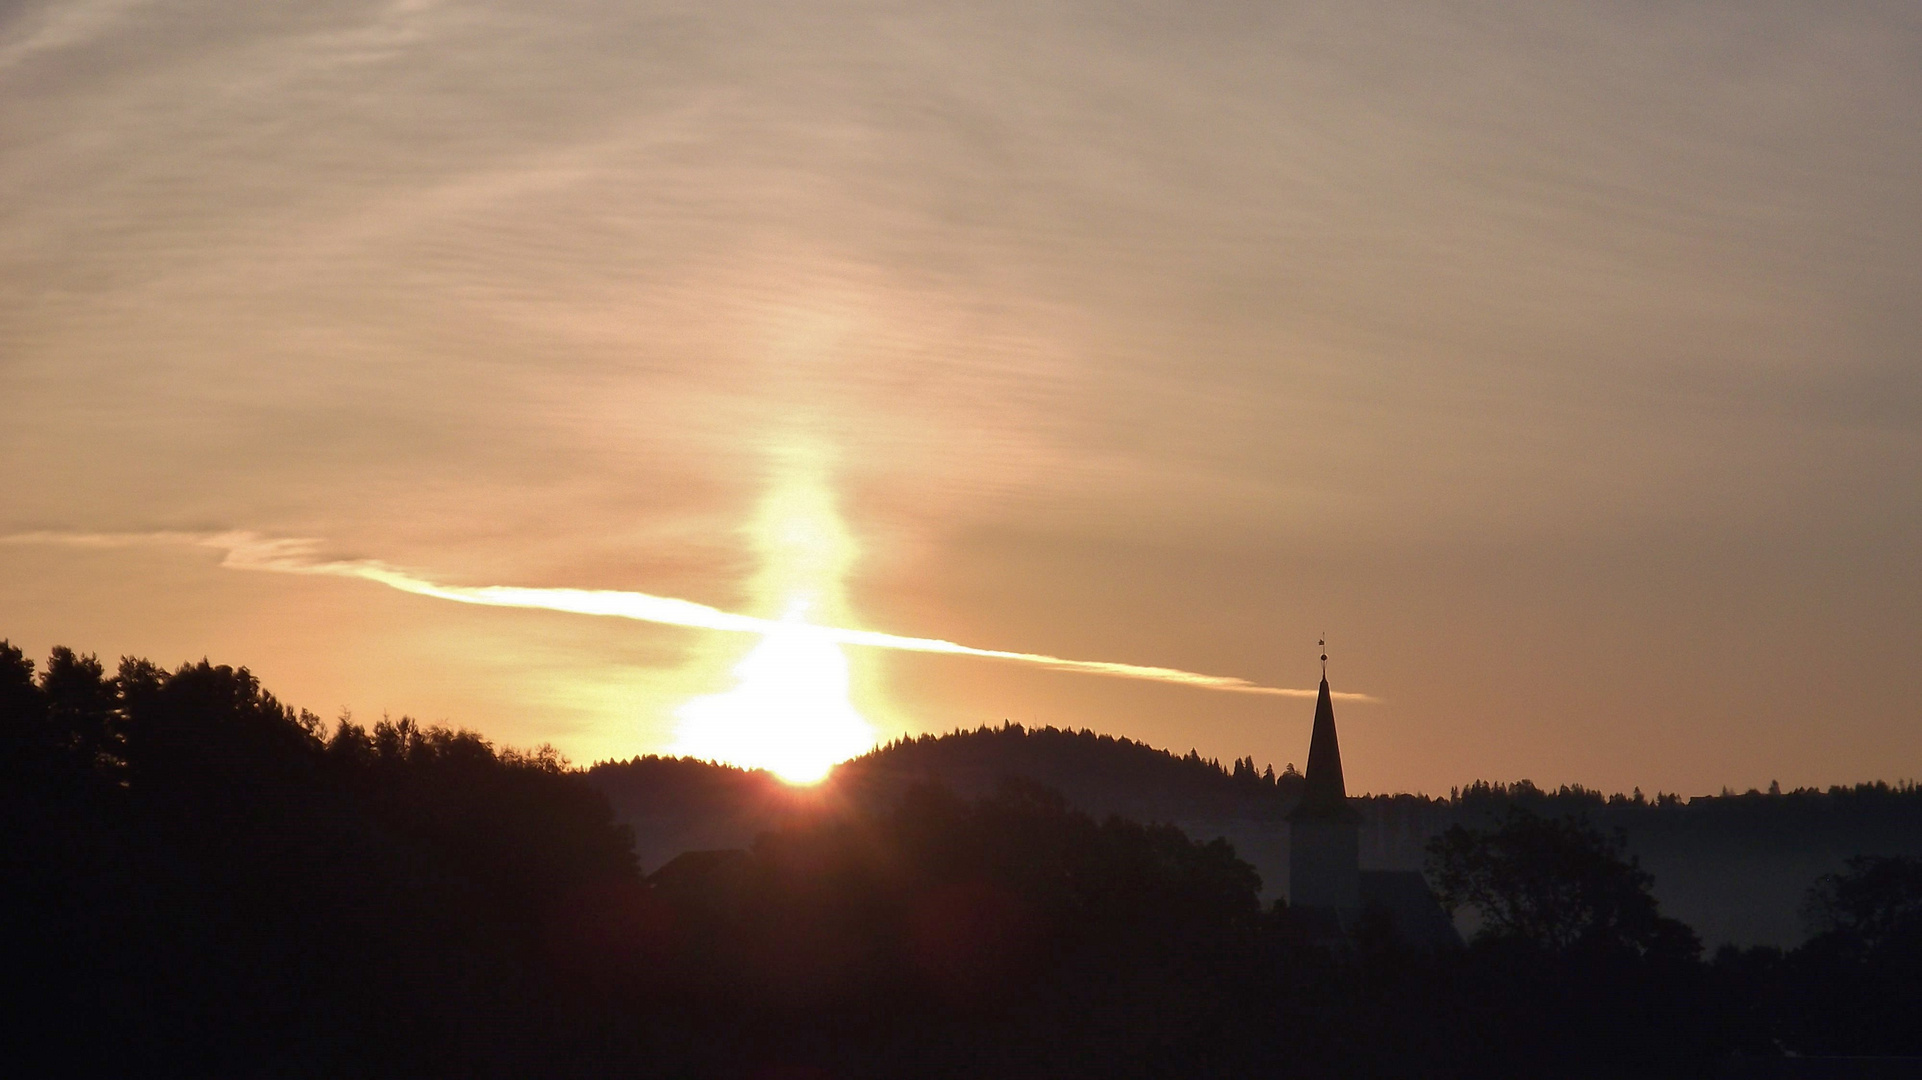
(252, 551)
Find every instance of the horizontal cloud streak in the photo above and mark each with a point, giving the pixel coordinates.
(250, 551)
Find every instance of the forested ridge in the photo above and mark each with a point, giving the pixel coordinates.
(204, 881)
(1735, 866)
(1112, 769)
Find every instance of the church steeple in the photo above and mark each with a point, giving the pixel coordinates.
(1324, 797)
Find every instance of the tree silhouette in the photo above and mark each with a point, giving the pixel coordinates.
(1555, 883)
(1856, 985)
(1875, 904)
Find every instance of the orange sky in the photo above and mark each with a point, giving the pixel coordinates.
(1561, 365)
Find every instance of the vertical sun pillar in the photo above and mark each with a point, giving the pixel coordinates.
(790, 710)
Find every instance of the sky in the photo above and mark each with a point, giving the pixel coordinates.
(1560, 364)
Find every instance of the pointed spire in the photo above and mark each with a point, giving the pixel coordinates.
(1324, 796)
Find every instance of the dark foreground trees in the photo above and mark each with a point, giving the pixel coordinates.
(1855, 987)
(1572, 969)
(203, 882)
(200, 881)
(1556, 885)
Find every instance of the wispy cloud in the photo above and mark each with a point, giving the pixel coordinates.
(300, 555)
(61, 26)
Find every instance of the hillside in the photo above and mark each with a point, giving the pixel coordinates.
(1101, 774)
(676, 804)
(1734, 866)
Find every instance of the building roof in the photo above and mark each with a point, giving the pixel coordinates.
(702, 871)
(1404, 899)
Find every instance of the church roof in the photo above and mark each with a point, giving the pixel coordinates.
(1324, 797)
(1404, 898)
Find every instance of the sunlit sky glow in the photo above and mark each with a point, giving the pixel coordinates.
(1558, 363)
(788, 713)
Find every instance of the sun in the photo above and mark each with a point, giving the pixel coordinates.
(790, 710)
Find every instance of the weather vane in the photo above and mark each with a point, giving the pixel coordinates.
(1324, 655)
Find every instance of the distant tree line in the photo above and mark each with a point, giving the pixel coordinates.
(202, 881)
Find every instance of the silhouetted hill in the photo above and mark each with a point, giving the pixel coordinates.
(1733, 866)
(1101, 774)
(676, 805)
(672, 805)
(202, 881)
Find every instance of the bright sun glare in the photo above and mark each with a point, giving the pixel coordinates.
(789, 711)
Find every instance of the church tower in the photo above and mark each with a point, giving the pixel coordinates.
(1324, 832)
